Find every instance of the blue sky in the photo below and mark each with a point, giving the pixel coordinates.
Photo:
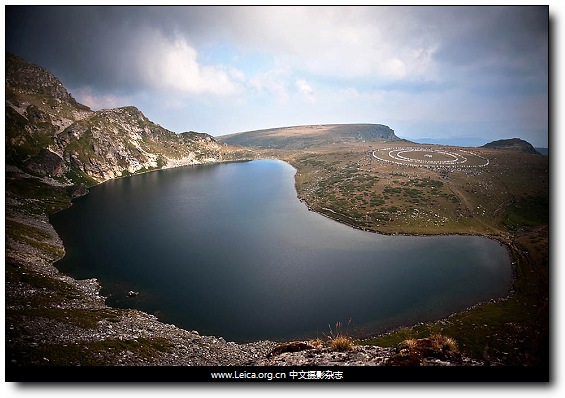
(473, 74)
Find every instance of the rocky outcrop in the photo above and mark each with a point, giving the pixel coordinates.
(49, 133)
(365, 355)
(35, 80)
(118, 142)
(46, 163)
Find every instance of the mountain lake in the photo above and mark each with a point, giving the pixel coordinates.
(228, 250)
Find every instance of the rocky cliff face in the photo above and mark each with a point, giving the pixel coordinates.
(33, 79)
(49, 133)
(117, 142)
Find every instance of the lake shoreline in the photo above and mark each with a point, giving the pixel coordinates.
(290, 196)
(94, 287)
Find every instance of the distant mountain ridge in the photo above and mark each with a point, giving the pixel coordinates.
(462, 142)
(310, 136)
(512, 143)
(50, 134)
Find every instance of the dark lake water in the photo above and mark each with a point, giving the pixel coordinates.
(229, 250)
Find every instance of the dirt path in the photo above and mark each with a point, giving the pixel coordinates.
(489, 228)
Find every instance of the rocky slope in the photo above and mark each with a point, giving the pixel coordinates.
(49, 133)
(55, 147)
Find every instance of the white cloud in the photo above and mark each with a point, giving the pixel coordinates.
(289, 65)
(348, 93)
(273, 83)
(393, 68)
(344, 42)
(172, 64)
(305, 90)
(96, 101)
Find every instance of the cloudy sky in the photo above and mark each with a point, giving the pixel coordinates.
(465, 75)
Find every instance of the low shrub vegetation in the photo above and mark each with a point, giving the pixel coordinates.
(338, 340)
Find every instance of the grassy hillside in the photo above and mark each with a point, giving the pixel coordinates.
(307, 137)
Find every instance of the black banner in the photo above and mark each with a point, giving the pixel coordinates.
(275, 374)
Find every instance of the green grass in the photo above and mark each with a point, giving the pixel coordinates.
(95, 353)
(44, 197)
(53, 290)
(83, 318)
(29, 142)
(528, 211)
(34, 237)
(78, 177)
(82, 147)
(424, 183)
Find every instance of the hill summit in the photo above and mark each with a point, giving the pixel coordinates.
(311, 136)
(512, 143)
